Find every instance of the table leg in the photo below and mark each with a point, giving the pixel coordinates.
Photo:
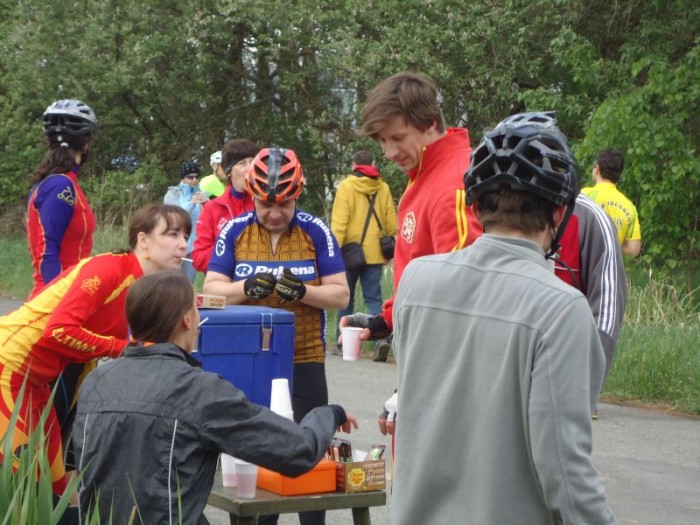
(242, 520)
(360, 516)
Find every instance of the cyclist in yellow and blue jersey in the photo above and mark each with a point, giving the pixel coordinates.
(283, 257)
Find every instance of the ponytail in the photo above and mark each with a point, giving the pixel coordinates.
(60, 157)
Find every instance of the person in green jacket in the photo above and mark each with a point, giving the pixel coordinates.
(351, 212)
(214, 183)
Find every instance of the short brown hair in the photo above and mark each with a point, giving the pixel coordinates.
(515, 210)
(146, 219)
(412, 96)
(362, 157)
(611, 163)
(156, 303)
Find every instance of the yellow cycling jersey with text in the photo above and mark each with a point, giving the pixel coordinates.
(619, 208)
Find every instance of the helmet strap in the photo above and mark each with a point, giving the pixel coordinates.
(554, 248)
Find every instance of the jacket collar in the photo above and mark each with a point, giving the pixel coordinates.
(453, 140)
(167, 350)
(366, 170)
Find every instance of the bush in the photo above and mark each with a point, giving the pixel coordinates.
(116, 195)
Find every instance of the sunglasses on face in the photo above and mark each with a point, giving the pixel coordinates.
(192, 176)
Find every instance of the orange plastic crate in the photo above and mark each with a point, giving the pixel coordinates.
(319, 479)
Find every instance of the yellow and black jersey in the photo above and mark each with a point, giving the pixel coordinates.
(308, 248)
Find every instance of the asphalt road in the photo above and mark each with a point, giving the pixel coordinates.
(649, 461)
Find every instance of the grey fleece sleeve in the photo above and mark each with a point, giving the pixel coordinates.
(234, 425)
(566, 377)
(603, 273)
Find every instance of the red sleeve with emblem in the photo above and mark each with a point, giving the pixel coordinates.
(95, 299)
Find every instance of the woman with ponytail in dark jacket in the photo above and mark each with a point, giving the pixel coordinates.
(60, 222)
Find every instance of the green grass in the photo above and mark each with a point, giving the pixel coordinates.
(658, 355)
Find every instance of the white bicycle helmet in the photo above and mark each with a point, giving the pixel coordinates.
(69, 117)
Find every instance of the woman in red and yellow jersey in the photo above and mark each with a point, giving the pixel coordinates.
(78, 317)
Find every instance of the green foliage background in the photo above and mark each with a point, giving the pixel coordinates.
(172, 80)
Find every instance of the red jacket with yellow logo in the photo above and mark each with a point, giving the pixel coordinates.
(432, 216)
(79, 316)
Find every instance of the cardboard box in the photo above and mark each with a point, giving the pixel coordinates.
(320, 479)
(211, 301)
(360, 476)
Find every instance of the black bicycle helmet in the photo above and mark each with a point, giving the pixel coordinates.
(69, 118)
(528, 153)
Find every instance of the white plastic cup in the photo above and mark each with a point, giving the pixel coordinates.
(280, 399)
(228, 470)
(351, 342)
(247, 478)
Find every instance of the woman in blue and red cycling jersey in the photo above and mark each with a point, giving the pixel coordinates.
(60, 222)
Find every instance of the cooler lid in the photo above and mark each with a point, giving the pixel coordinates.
(246, 314)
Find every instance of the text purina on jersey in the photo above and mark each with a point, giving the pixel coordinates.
(305, 270)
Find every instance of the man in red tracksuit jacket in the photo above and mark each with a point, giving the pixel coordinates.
(403, 114)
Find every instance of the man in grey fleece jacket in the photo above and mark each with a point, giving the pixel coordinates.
(496, 419)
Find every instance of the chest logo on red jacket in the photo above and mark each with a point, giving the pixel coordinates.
(408, 228)
(221, 224)
(91, 285)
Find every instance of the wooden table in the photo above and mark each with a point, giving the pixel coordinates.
(245, 511)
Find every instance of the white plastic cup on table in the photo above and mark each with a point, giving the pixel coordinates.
(280, 398)
(351, 342)
(247, 478)
(228, 470)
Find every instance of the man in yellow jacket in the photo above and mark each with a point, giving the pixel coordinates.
(351, 218)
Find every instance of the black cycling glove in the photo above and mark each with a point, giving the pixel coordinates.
(260, 285)
(377, 325)
(289, 287)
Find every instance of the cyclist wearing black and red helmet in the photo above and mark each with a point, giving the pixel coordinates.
(60, 222)
(283, 257)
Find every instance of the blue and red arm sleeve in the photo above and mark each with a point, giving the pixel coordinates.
(55, 204)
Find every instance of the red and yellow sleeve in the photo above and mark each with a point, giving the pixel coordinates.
(90, 299)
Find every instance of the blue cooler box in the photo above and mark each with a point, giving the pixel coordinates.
(249, 346)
